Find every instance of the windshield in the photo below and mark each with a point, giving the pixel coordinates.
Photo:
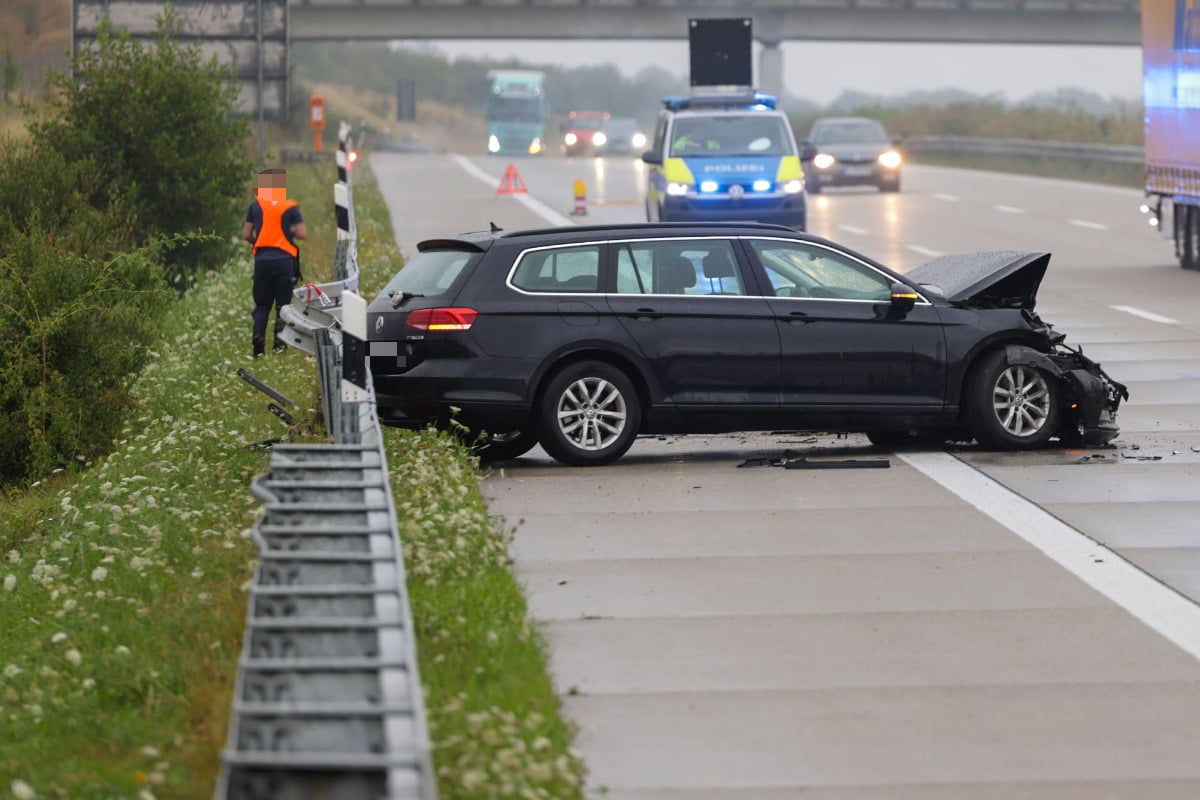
(586, 123)
(731, 135)
(515, 109)
(431, 273)
(850, 132)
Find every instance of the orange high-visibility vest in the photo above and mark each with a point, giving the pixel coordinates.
(271, 233)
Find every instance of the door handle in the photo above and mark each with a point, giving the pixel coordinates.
(798, 318)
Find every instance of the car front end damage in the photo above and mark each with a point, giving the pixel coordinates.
(1092, 397)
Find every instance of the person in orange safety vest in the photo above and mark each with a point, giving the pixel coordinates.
(273, 226)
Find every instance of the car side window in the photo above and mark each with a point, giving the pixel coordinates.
(799, 269)
(559, 269)
(700, 267)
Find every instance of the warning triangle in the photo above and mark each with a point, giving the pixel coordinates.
(511, 183)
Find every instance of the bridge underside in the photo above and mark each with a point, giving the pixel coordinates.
(1102, 22)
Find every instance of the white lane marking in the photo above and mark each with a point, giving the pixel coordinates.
(1083, 223)
(945, 198)
(532, 203)
(853, 229)
(1150, 315)
(1154, 603)
(1009, 209)
(925, 251)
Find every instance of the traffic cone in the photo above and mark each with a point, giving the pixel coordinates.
(511, 183)
(580, 198)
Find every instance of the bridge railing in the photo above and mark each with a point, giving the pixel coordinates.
(328, 699)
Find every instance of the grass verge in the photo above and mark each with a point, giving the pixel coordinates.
(1131, 175)
(122, 582)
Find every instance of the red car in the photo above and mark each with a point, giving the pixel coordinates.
(582, 134)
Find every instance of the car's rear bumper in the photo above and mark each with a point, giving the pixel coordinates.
(852, 175)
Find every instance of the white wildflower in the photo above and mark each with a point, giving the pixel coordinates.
(14, 557)
(10, 582)
(58, 637)
(99, 574)
(74, 657)
(12, 671)
(150, 752)
(22, 790)
(89, 683)
(122, 650)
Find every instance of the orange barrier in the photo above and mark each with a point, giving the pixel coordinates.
(580, 198)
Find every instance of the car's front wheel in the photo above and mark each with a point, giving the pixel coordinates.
(589, 414)
(1012, 406)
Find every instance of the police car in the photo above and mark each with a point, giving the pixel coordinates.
(724, 158)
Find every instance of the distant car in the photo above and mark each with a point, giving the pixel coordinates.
(579, 338)
(581, 132)
(851, 151)
(621, 136)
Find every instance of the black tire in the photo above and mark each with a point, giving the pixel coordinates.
(589, 414)
(1190, 252)
(890, 186)
(814, 187)
(503, 446)
(1012, 406)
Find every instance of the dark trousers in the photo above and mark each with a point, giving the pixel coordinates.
(273, 282)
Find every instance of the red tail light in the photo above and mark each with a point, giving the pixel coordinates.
(442, 319)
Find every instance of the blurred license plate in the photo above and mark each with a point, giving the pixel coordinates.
(858, 170)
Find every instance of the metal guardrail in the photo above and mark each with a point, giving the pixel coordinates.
(328, 700)
(1033, 148)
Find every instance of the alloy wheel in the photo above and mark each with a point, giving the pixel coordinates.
(1021, 400)
(591, 413)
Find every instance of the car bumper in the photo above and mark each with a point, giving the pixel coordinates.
(787, 210)
(440, 390)
(852, 175)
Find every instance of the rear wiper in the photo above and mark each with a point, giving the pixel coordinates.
(400, 298)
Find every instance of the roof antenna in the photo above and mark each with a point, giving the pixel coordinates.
(496, 228)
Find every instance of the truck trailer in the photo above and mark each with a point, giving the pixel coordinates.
(1171, 95)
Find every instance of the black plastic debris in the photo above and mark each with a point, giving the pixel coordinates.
(847, 463)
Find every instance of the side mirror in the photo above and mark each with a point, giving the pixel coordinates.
(652, 157)
(808, 151)
(903, 297)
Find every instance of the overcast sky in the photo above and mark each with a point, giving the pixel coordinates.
(821, 71)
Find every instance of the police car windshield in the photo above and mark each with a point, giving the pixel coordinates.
(730, 135)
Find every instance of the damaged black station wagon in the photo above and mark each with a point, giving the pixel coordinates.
(581, 338)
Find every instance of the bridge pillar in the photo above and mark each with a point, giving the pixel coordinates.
(770, 68)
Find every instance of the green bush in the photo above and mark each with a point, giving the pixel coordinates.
(159, 123)
(80, 309)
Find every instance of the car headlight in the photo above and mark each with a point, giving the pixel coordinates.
(639, 140)
(793, 187)
(570, 139)
(708, 186)
(493, 144)
(890, 159)
(677, 189)
(762, 186)
(823, 161)
(599, 139)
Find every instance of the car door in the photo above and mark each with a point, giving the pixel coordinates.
(843, 345)
(712, 344)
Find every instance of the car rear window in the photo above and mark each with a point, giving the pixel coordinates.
(432, 272)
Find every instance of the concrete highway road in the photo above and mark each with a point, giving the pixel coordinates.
(963, 624)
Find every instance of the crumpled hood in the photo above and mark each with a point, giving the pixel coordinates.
(985, 279)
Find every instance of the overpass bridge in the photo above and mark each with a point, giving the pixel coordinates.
(1064, 22)
(1051, 22)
